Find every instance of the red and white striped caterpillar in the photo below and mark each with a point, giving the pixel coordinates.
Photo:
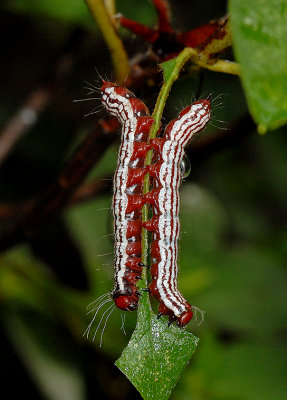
(164, 197)
(128, 198)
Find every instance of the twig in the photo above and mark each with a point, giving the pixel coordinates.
(24, 118)
(59, 192)
(219, 41)
(92, 190)
(114, 43)
(224, 66)
(111, 7)
(85, 192)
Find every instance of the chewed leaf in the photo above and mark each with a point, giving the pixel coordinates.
(259, 34)
(156, 354)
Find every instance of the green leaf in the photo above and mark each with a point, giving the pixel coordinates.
(259, 35)
(156, 354)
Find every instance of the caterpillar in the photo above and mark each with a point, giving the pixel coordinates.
(164, 197)
(128, 198)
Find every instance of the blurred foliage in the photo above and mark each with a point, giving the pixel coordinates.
(78, 12)
(233, 245)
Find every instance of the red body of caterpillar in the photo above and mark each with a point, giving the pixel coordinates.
(164, 198)
(128, 184)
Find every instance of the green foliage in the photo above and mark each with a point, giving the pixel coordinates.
(53, 8)
(76, 11)
(259, 34)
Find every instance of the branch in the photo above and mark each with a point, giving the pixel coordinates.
(59, 193)
(114, 43)
(225, 66)
(85, 192)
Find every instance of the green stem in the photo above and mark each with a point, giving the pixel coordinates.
(187, 54)
(114, 43)
(225, 66)
(111, 7)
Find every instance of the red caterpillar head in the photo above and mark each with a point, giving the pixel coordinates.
(191, 120)
(110, 87)
(185, 318)
(125, 302)
(182, 320)
(122, 103)
(107, 84)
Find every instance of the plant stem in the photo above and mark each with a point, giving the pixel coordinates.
(114, 43)
(170, 77)
(110, 6)
(225, 66)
